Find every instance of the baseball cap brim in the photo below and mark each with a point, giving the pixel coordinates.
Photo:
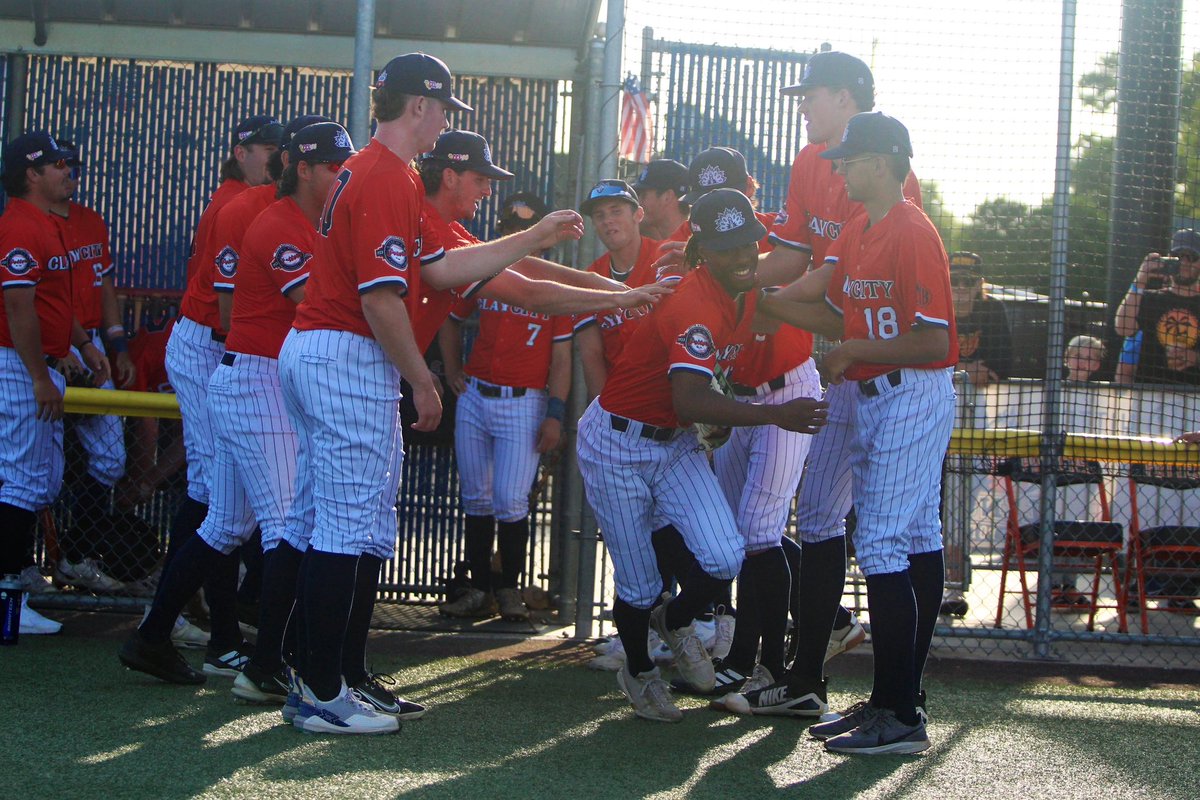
(695, 194)
(796, 88)
(842, 151)
(749, 234)
(455, 103)
(586, 206)
(494, 172)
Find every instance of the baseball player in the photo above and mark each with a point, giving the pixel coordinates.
(835, 86)
(94, 301)
(889, 300)
(352, 340)
(457, 175)
(635, 462)
(254, 466)
(660, 189)
(37, 324)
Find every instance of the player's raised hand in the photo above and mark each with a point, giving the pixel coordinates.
(670, 260)
(428, 403)
(643, 295)
(557, 226)
(802, 415)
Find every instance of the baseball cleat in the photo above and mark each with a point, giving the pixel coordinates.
(723, 638)
(373, 691)
(227, 665)
(291, 706)
(159, 660)
(785, 698)
(691, 659)
(344, 714)
(734, 702)
(728, 679)
(34, 582)
(880, 734)
(512, 606)
(254, 686)
(649, 695)
(474, 604)
(845, 639)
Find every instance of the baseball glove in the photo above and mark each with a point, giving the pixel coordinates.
(711, 437)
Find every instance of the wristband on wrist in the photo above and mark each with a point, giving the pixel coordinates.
(116, 331)
(1134, 288)
(556, 408)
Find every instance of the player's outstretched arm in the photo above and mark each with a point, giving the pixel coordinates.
(481, 261)
(811, 316)
(539, 269)
(385, 312)
(549, 297)
(695, 401)
(781, 266)
(921, 345)
(591, 358)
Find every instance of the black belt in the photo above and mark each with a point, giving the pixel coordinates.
(228, 359)
(487, 390)
(870, 389)
(648, 431)
(216, 337)
(775, 384)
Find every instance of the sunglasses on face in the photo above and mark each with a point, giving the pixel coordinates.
(333, 166)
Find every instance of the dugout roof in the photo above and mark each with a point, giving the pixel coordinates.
(517, 38)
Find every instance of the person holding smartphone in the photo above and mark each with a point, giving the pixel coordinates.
(1163, 303)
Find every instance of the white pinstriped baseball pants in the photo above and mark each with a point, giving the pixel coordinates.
(31, 450)
(192, 357)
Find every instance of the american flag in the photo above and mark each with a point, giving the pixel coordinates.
(637, 132)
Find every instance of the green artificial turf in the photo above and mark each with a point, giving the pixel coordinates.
(515, 719)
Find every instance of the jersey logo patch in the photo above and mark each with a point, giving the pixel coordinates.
(924, 296)
(289, 258)
(19, 261)
(393, 253)
(698, 342)
(227, 261)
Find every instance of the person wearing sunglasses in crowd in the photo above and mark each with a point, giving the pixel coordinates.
(984, 339)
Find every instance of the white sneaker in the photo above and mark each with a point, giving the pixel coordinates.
(184, 634)
(691, 659)
(612, 659)
(846, 638)
(34, 582)
(723, 640)
(706, 631)
(34, 624)
(649, 695)
(343, 714)
(87, 574)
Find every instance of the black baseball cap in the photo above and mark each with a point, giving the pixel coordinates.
(964, 262)
(465, 150)
(258, 129)
(33, 149)
(609, 189)
(321, 142)
(298, 123)
(835, 70)
(716, 168)
(663, 174)
(872, 132)
(420, 74)
(1185, 240)
(520, 211)
(724, 219)
(67, 144)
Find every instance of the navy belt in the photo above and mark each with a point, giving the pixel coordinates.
(648, 431)
(487, 390)
(775, 384)
(228, 359)
(871, 388)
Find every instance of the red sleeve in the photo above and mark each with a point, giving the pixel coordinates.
(561, 328)
(20, 262)
(690, 346)
(789, 229)
(924, 272)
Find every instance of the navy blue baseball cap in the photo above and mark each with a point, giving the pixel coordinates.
(298, 123)
(258, 129)
(609, 189)
(724, 219)
(835, 70)
(33, 149)
(872, 132)
(466, 150)
(420, 74)
(321, 142)
(716, 168)
(663, 174)
(1185, 240)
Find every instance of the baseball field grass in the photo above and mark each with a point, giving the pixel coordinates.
(522, 718)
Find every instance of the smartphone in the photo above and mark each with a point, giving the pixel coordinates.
(1169, 266)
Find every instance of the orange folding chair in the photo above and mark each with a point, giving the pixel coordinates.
(1165, 550)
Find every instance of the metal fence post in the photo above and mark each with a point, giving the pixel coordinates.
(1052, 436)
(360, 83)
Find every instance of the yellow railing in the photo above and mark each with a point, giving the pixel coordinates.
(125, 404)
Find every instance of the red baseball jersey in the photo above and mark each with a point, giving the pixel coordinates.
(817, 207)
(232, 223)
(887, 279)
(514, 345)
(86, 236)
(373, 232)
(618, 323)
(684, 232)
(148, 350)
(32, 253)
(437, 303)
(199, 301)
(275, 256)
(685, 332)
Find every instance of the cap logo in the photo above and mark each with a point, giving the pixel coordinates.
(729, 220)
(696, 227)
(382, 79)
(432, 85)
(244, 135)
(308, 147)
(458, 156)
(712, 175)
(645, 174)
(487, 152)
(34, 156)
(342, 140)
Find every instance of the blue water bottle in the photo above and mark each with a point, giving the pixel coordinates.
(10, 606)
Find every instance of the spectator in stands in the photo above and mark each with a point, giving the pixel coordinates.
(660, 189)
(984, 339)
(1083, 358)
(1163, 303)
(1131, 351)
